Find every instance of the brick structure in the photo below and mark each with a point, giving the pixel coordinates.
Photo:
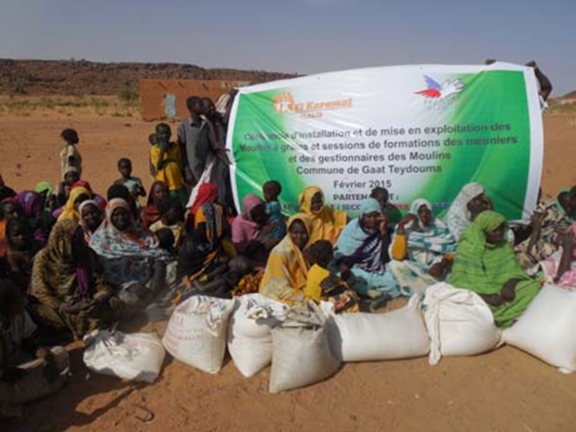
(166, 99)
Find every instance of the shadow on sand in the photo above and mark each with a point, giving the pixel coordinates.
(60, 411)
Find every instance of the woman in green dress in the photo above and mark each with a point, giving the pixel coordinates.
(485, 263)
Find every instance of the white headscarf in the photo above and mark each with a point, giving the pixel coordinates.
(414, 209)
(427, 244)
(459, 217)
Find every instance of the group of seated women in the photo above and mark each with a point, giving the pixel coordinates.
(473, 248)
(96, 266)
(106, 260)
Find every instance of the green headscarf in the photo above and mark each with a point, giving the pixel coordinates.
(484, 268)
(44, 186)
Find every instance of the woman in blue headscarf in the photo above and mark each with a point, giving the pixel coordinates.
(360, 250)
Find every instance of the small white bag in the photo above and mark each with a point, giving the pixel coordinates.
(547, 329)
(250, 332)
(301, 352)
(459, 322)
(137, 356)
(196, 333)
(367, 337)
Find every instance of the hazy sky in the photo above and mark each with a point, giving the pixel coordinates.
(304, 36)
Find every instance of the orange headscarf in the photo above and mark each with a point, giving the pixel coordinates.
(328, 223)
(287, 269)
(69, 211)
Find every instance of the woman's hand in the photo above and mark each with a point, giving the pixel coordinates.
(487, 203)
(537, 219)
(345, 272)
(384, 222)
(223, 156)
(66, 308)
(268, 229)
(76, 307)
(437, 270)
(536, 222)
(405, 221)
(270, 243)
(492, 299)
(101, 297)
(567, 240)
(508, 292)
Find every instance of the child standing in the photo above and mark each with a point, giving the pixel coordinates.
(151, 168)
(272, 190)
(134, 184)
(171, 217)
(167, 161)
(70, 156)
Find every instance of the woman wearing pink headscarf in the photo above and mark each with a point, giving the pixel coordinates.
(250, 228)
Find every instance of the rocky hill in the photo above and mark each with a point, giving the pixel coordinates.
(81, 77)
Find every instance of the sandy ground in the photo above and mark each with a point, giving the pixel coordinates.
(505, 390)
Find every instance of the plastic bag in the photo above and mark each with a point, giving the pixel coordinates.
(459, 322)
(136, 357)
(301, 352)
(393, 335)
(196, 333)
(547, 329)
(250, 332)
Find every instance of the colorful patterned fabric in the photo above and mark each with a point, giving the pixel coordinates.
(207, 194)
(196, 258)
(126, 255)
(554, 220)
(322, 285)
(427, 245)
(59, 278)
(550, 268)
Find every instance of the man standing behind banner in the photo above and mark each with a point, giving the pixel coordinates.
(196, 139)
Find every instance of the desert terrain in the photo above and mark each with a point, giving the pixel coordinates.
(505, 390)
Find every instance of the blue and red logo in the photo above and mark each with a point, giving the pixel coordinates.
(438, 91)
